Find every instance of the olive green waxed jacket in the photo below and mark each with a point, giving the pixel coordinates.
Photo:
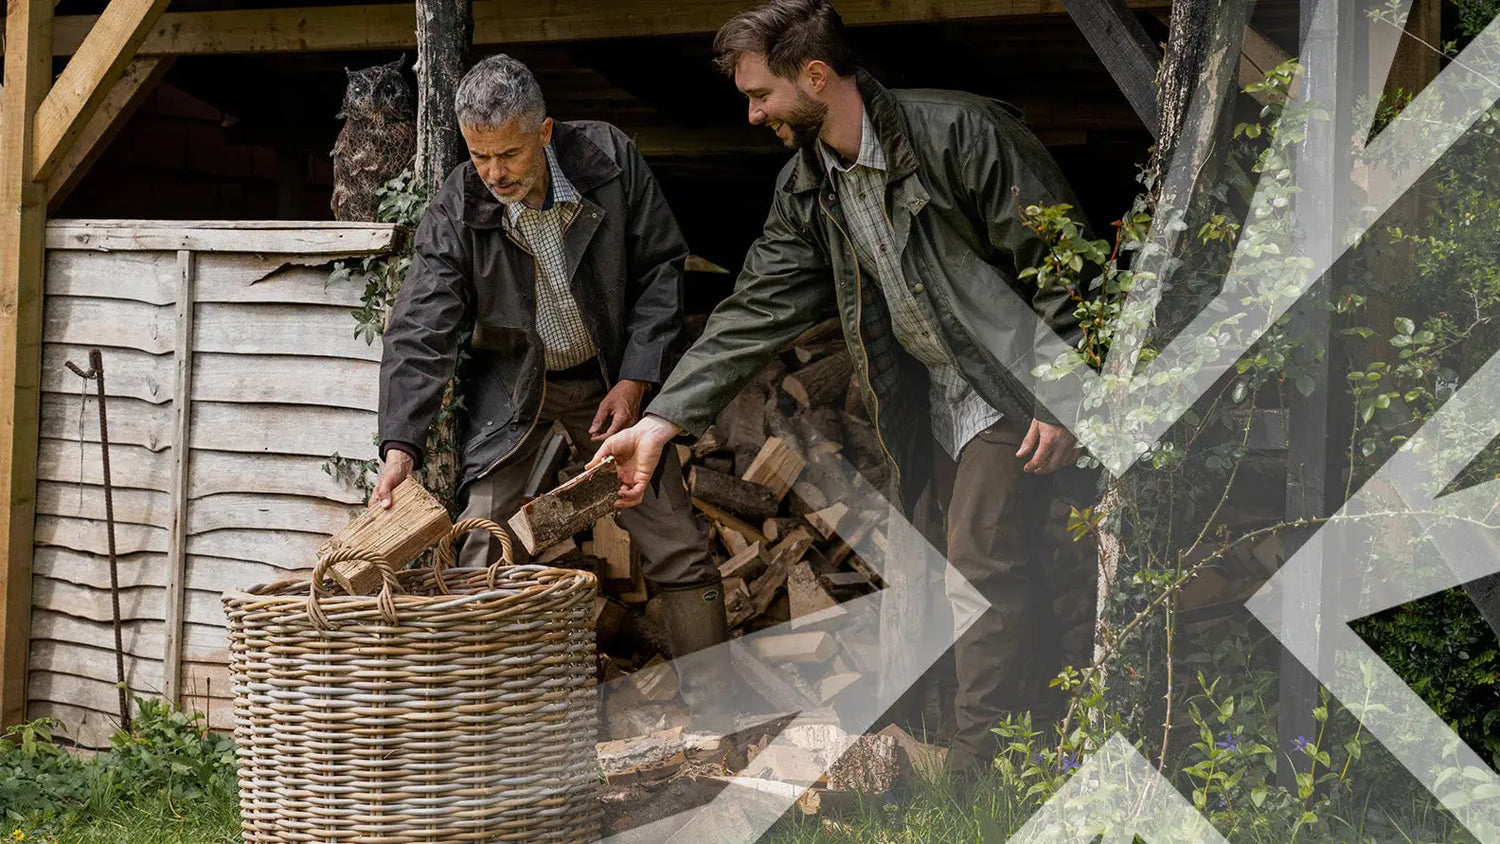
(960, 168)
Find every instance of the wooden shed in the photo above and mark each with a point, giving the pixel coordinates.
(226, 336)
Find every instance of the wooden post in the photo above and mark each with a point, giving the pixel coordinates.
(23, 216)
(1322, 178)
(182, 409)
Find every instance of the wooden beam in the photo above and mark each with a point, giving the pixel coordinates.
(23, 215)
(1416, 61)
(1258, 55)
(389, 26)
(83, 85)
(134, 85)
(1128, 53)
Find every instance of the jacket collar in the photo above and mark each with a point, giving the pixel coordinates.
(580, 159)
(890, 127)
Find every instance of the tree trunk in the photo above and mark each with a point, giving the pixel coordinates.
(445, 29)
(1196, 97)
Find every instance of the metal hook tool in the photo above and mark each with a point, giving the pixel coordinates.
(95, 373)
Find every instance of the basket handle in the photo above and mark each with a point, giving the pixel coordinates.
(388, 584)
(444, 557)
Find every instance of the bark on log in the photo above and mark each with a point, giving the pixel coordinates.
(568, 509)
(821, 383)
(751, 502)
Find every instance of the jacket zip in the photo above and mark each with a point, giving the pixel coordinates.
(859, 333)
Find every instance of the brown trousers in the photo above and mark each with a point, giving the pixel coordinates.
(674, 548)
(993, 515)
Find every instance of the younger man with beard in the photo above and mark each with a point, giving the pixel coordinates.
(899, 212)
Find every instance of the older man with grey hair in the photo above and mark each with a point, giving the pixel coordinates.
(554, 244)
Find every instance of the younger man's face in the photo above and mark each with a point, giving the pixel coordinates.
(780, 104)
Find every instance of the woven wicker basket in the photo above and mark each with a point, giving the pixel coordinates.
(457, 705)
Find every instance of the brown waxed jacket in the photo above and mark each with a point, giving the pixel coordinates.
(625, 257)
(953, 161)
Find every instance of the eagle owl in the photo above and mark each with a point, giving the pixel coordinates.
(378, 141)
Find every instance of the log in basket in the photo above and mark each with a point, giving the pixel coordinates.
(456, 705)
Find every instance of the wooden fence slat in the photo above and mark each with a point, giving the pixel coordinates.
(141, 674)
(182, 403)
(282, 238)
(93, 602)
(149, 277)
(131, 421)
(132, 467)
(88, 727)
(142, 638)
(266, 279)
(272, 379)
(80, 501)
(279, 548)
(304, 430)
(92, 536)
(273, 474)
(92, 693)
(303, 330)
(221, 574)
(128, 373)
(84, 569)
(113, 323)
(259, 511)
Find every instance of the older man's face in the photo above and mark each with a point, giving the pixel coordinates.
(511, 159)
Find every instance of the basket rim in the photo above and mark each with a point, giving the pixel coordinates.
(294, 590)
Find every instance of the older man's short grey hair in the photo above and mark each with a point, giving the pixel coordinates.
(496, 91)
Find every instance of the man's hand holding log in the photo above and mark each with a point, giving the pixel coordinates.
(636, 451)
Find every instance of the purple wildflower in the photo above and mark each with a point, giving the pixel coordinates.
(1230, 743)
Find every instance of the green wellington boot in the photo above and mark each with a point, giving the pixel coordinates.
(694, 620)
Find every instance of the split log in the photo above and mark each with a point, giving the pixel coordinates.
(801, 648)
(550, 460)
(826, 521)
(608, 615)
(777, 466)
(727, 522)
(744, 499)
(746, 564)
(414, 521)
(806, 594)
(612, 544)
(784, 556)
(807, 497)
(778, 527)
(821, 383)
(830, 687)
(655, 680)
(557, 552)
(649, 757)
(779, 688)
(570, 508)
(713, 440)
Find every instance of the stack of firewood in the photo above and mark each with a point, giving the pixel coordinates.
(771, 482)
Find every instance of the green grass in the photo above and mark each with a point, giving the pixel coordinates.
(157, 821)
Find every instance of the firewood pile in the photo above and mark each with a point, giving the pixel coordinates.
(782, 483)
